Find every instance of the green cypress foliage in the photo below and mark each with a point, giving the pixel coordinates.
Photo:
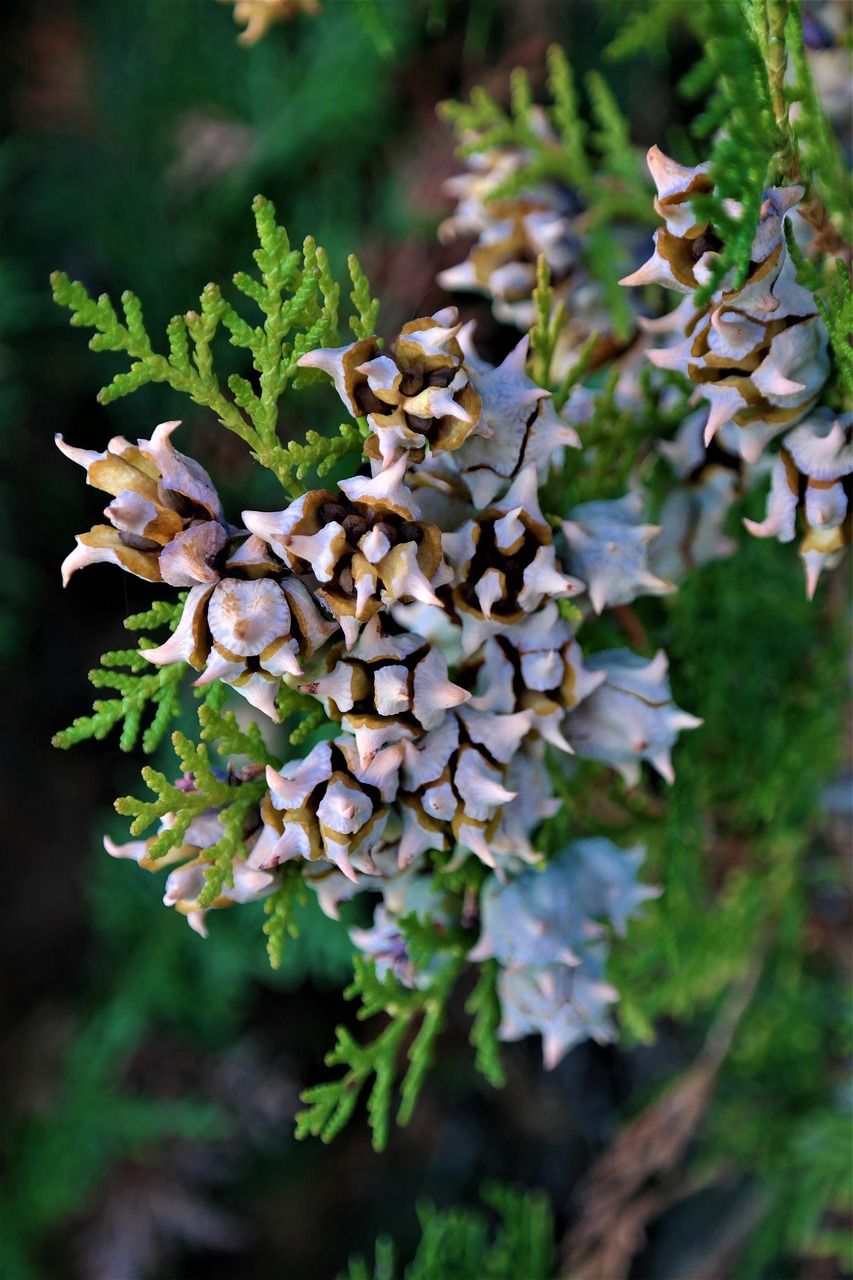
(142, 689)
(298, 300)
(330, 1105)
(459, 1244)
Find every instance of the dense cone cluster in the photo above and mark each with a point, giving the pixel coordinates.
(511, 231)
(813, 474)
(544, 930)
(758, 355)
(508, 229)
(419, 605)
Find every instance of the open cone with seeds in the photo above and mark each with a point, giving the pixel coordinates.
(416, 607)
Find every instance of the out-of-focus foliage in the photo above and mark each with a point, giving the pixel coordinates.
(458, 1244)
(154, 979)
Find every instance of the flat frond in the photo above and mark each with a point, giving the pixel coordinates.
(311, 715)
(643, 32)
(363, 323)
(463, 1243)
(545, 332)
(820, 156)
(743, 110)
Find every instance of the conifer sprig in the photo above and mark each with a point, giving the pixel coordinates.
(642, 31)
(462, 1243)
(749, 49)
(142, 689)
(484, 1007)
(220, 726)
(211, 790)
(734, 72)
(837, 311)
(319, 453)
(298, 299)
(330, 1105)
(363, 323)
(819, 155)
(281, 908)
(834, 298)
(291, 702)
(572, 154)
(545, 335)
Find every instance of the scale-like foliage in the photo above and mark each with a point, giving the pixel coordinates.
(363, 323)
(141, 688)
(837, 311)
(330, 1105)
(298, 299)
(733, 73)
(574, 154)
(820, 157)
(211, 790)
(220, 726)
(282, 908)
(484, 1006)
(643, 30)
(459, 1243)
(311, 715)
(545, 335)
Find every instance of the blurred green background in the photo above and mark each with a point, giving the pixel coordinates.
(151, 1078)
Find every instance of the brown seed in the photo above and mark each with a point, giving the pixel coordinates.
(707, 243)
(367, 401)
(355, 527)
(137, 543)
(410, 532)
(513, 567)
(332, 513)
(412, 381)
(419, 424)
